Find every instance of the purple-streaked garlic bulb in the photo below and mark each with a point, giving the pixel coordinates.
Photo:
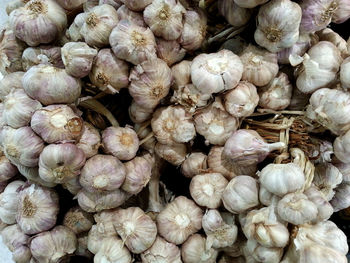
(7, 169)
(342, 13)
(216, 72)
(234, 14)
(181, 73)
(18, 108)
(73, 31)
(174, 153)
(162, 251)
(242, 100)
(122, 143)
(124, 13)
(32, 175)
(37, 209)
(328, 34)
(112, 249)
(56, 123)
(195, 163)
(71, 4)
(21, 146)
(60, 163)
(33, 56)
(78, 220)
(51, 85)
(170, 51)
(133, 43)
(324, 208)
(217, 163)
(102, 173)
(139, 114)
(194, 250)
(109, 73)
(136, 5)
(9, 82)
(150, 82)
(90, 140)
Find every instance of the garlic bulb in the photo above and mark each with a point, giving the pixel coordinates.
(78, 220)
(180, 219)
(137, 230)
(8, 202)
(273, 32)
(263, 226)
(139, 114)
(261, 253)
(326, 178)
(113, 250)
(164, 18)
(241, 194)
(54, 245)
(328, 34)
(98, 25)
(124, 13)
(242, 100)
(344, 73)
(277, 94)
(37, 209)
(342, 13)
(133, 43)
(214, 123)
(71, 4)
(32, 175)
(10, 82)
(174, 153)
(50, 55)
(60, 163)
(18, 108)
(324, 209)
(102, 173)
(17, 243)
(172, 125)
(136, 5)
(150, 82)
(281, 179)
(217, 164)
(39, 21)
(21, 146)
(82, 249)
(12, 5)
(77, 58)
(259, 66)
(319, 68)
(89, 141)
(73, 186)
(216, 72)
(195, 163)
(194, 251)
(341, 198)
(207, 189)
(249, 3)
(51, 85)
(90, 4)
(181, 73)
(73, 32)
(341, 147)
(234, 14)
(162, 251)
(170, 51)
(109, 73)
(7, 169)
(57, 123)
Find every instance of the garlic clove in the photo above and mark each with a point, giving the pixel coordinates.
(234, 14)
(89, 141)
(113, 250)
(195, 163)
(73, 186)
(49, 55)
(136, 5)
(341, 147)
(115, 3)
(78, 220)
(10, 82)
(170, 51)
(174, 154)
(14, 5)
(162, 251)
(194, 251)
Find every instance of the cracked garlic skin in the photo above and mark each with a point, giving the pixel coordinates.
(37, 209)
(180, 219)
(112, 250)
(73, 31)
(195, 163)
(10, 82)
(90, 140)
(44, 54)
(216, 72)
(78, 220)
(234, 14)
(194, 251)
(162, 251)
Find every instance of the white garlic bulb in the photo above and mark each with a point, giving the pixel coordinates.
(174, 153)
(37, 209)
(8, 202)
(267, 198)
(112, 250)
(328, 34)
(170, 51)
(344, 73)
(216, 72)
(324, 208)
(181, 73)
(125, 13)
(78, 220)
(341, 147)
(216, 163)
(162, 251)
(249, 3)
(342, 13)
(195, 163)
(234, 14)
(9, 82)
(139, 114)
(341, 198)
(38, 21)
(261, 253)
(194, 251)
(326, 178)
(180, 219)
(89, 141)
(32, 175)
(50, 55)
(73, 32)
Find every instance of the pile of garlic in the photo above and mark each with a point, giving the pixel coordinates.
(73, 186)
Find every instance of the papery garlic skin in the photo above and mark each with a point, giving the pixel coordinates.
(345, 73)
(259, 66)
(234, 14)
(249, 3)
(180, 219)
(207, 189)
(124, 13)
(89, 141)
(77, 58)
(51, 85)
(57, 123)
(170, 51)
(242, 100)
(7, 169)
(8, 202)
(194, 251)
(9, 82)
(32, 175)
(50, 55)
(133, 43)
(150, 82)
(342, 13)
(113, 250)
(37, 209)
(328, 34)
(324, 208)
(162, 251)
(341, 198)
(19, 108)
(181, 73)
(174, 153)
(136, 5)
(261, 253)
(21, 146)
(14, 5)
(216, 163)
(71, 4)
(78, 220)
(195, 163)
(143, 133)
(54, 245)
(98, 25)
(216, 72)
(102, 173)
(341, 145)
(39, 21)
(326, 178)
(241, 194)
(82, 249)
(109, 73)
(139, 114)
(73, 32)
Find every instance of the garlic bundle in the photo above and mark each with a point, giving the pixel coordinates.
(37, 209)
(319, 68)
(275, 33)
(139, 114)
(136, 5)
(51, 85)
(77, 58)
(78, 220)
(133, 43)
(214, 123)
(54, 245)
(8, 202)
(113, 250)
(50, 55)
(38, 22)
(249, 3)
(10, 82)
(162, 251)
(328, 34)
(259, 65)
(195, 163)
(164, 18)
(172, 125)
(137, 230)
(180, 219)
(150, 82)
(234, 14)
(242, 100)
(90, 140)
(71, 4)
(60, 163)
(324, 208)
(345, 73)
(326, 178)
(7, 169)
(241, 194)
(342, 13)
(174, 153)
(216, 72)
(21, 146)
(216, 163)
(98, 25)
(18, 108)
(73, 32)
(261, 253)
(57, 123)
(194, 251)
(170, 51)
